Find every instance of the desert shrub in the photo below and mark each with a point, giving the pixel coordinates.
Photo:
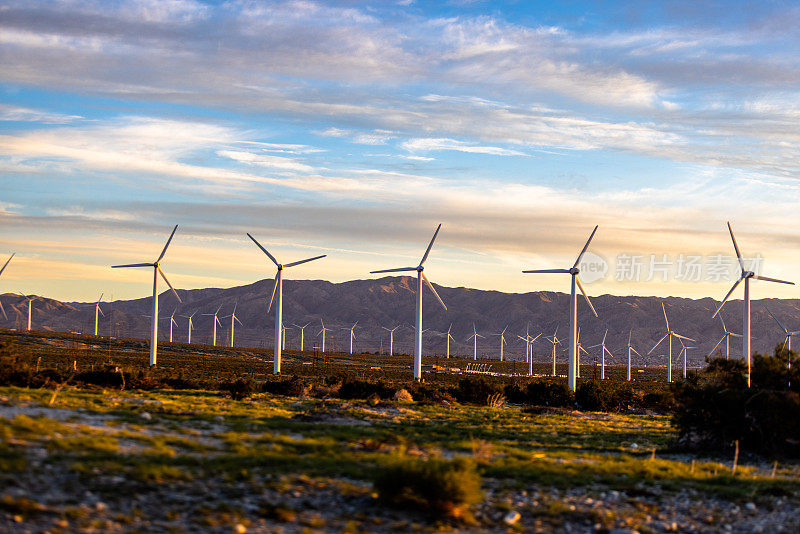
(660, 401)
(476, 390)
(604, 396)
(427, 393)
(362, 389)
(291, 387)
(715, 407)
(240, 389)
(402, 395)
(180, 383)
(108, 377)
(545, 393)
(444, 488)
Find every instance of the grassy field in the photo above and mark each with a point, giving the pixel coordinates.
(173, 461)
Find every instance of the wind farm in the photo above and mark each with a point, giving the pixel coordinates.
(527, 313)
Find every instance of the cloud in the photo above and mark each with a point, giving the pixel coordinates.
(22, 114)
(429, 144)
(270, 162)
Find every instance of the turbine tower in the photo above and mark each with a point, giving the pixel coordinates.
(172, 322)
(685, 352)
(302, 334)
(216, 322)
(30, 298)
(787, 341)
(746, 276)
(449, 336)
(530, 342)
(502, 341)
(156, 271)
(418, 315)
(573, 371)
(555, 341)
(603, 352)
(631, 349)
(726, 338)
(191, 327)
(322, 332)
(277, 296)
(391, 338)
(579, 348)
(474, 337)
(670, 334)
(97, 313)
(234, 319)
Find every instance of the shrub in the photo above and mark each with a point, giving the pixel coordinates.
(108, 377)
(402, 395)
(544, 393)
(240, 389)
(361, 389)
(601, 396)
(444, 488)
(292, 387)
(715, 407)
(476, 390)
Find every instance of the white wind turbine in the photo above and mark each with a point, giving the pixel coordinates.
(529, 340)
(449, 336)
(726, 338)
(352, 330)
(631, 349)
(474, 337)
(156, 271)
(30, 299)
(277, 296)
(322, 333)
(302, 334)
(603, 352)
(391, 338)
(746, 276)
(215, 323)
(234, 319)
(578, 349)
(554, 341)
(97, 313)
(787, 341)
(573, 371)
(670, 334)
(172, 322)
(502, 341)
(685, 352)
(418, 315)
(191, 326)
(1, 272)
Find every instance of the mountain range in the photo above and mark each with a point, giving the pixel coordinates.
(389, 302)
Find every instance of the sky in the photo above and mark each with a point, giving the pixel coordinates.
(353, 129)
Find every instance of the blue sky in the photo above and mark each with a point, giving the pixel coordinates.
(354, 128)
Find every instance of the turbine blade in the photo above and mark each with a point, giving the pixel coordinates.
(397, 270)
(167, 281)
(658, 343)
(101, 311)
(304, 261)
(777, 321)
(586, 246)
(589, 302)
(430, 245)
(7, 262)
(767, 279)
(274, 288)
(723, 324)
(101, 298)
(727, 297)
(735, 246)
(164, 251)
(604, 337)
(265, 251)
(630, 333)
(132, 265)
(636, 351)
(237, 320)
(545, 271)
(4, 311)
(665, 315)
(684, 337)
(425, 278)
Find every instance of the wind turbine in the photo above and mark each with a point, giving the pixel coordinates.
(172, 322)
(670, 334)
(277, 295)
(603, 355)
(234, 319)
(474, 337)
(352, 335)
(302, 334)
(156, 271)
(630, 349)
(685, 352)
(787, 341)
(726, 338)
(97, 313)
(449, 336)
(578, 349)
(746, 276)
(191, 326)
(30, 298)
(573, 371)
(391, 338)
(502, 341)
(555, 341)
(1, 272)
(529, 352)
(322, 332)
(418, 324)
(216, 322)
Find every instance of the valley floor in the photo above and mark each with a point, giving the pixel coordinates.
(197, 461)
